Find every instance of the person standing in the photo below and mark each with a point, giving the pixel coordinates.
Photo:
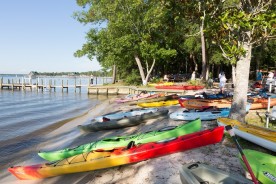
(222, 82)
(91, 79)
(259, 76)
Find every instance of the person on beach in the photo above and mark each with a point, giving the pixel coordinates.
(222, 82)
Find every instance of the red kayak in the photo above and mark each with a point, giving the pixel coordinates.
(100, 159)
(180, 87)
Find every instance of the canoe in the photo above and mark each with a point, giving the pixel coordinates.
(161, 84)
(180, 87)
(120, 115)
(209, 113)
(100, 159)
(122, 123)
(200, 103)
(263, 165)
(159, 103)
(197, 173)
(120, 141)
(157, 99)
(261, 136)
(262, 103)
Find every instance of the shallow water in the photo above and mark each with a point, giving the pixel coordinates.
(27, 115)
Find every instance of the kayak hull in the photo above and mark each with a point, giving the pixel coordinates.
(197, 173)
(208, 114)
(178, 87)
(159, 103)
(122, 123)
(104, 159)
(263, 165)
(121, 141)
(261, 136)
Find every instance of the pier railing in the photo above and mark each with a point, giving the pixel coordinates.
(40, 84)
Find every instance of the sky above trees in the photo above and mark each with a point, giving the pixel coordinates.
(41, 36)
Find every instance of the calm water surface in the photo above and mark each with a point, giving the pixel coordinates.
(26, 115)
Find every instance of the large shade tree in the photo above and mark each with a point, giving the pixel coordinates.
(242, 25)
(134, 32)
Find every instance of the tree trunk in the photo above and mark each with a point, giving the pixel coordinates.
(114, 74)
(233, 74)
(142, 74)
(238, 109)
(203, 51)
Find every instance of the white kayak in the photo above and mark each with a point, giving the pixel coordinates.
(204, 114)
(259, 135)
(197, 173)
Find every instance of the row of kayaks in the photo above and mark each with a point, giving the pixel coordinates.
(115, 151)
(121, 150)
(199, 101)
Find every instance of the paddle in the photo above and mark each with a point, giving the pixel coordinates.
(232, 134)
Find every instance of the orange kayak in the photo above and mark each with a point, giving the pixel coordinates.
(200, 103)
(261, 103)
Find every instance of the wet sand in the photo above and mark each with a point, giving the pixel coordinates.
(160, 170)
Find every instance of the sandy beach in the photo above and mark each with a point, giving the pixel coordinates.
(158, 170)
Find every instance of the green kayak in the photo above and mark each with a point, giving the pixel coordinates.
(113, 142)
(263, 165)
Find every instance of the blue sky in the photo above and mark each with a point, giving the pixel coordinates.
(41, 36)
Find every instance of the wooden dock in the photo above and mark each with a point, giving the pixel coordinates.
(41, 86)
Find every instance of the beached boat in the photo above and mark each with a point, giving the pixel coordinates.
(261, 136)
(159, 103)
(124, 122)
(156, 99)
(131, 154)
(133, 97)
(197, 173)
(201, 103)
(180, 87)
(120, 115)
(208, 113)
(262, 103)
(120, 141)
(160, 84)
(263, 165)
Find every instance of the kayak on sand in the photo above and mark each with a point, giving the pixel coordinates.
(120, 141)
(131, 154)
(122, 123)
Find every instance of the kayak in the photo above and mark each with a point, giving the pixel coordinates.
(262, 103)
(197, 173)
(157, 99)
(208, 113)
(200, 103)
(133, 97)
(120, 115)
(124, 122)
(180, 87)
(261, 136)
(100, 159)
(159, 103)
(263, 165)
(120, 141)
(161, 84)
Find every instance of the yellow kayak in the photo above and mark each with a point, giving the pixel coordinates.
(259, 135)
(159, 103)
(161, 84)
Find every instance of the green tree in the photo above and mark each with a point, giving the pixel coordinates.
(133, 33)
(241, 26)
